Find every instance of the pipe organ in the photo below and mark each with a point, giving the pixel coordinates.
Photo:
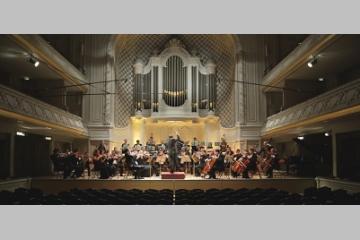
(174, 84)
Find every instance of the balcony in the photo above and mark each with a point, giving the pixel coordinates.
(16, 105)
(333, 104)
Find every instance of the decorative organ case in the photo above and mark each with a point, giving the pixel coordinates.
(174, 84)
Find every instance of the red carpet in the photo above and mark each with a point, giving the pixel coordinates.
(175, 175)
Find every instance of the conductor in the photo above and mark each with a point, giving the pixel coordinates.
(173, 154)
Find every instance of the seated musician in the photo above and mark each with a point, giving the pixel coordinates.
(159, 161)
(235, 163)
(133, 164)
(116, 161)
(219, 163)
(273, 161)
(252, 165)
(74, 163)
(202, 158)
(96, 160)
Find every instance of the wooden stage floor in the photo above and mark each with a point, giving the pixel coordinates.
(53, 184)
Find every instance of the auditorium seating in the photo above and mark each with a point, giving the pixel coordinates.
(213, 196)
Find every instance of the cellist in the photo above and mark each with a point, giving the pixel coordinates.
(213, 164)
(252, 164)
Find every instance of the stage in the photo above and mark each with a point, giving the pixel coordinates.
(55, 184)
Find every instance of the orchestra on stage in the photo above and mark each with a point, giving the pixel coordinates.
(173, 155)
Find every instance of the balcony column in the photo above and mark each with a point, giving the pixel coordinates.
(334, 153)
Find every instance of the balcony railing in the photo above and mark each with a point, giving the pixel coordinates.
(343, 97)
(13, 101)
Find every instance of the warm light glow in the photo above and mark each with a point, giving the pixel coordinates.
(20, 134)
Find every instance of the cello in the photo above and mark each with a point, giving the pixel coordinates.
(209, 164)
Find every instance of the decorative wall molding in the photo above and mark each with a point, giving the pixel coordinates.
(343, 97)
(15, 102)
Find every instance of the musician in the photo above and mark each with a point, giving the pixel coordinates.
(137, 146)
(124, 146)
(179, 144)
(73, 162)
(223, 145)
(88, 163)
(159, 160)
(173, 154)
(102, 147)
(150, 145)
(58, 160)
(252, 165)
(194, 145)
(235, 163)
(274, 160)
(218, 165)
(133, 164)
(203, 156)
(150, 141)
(116, 161)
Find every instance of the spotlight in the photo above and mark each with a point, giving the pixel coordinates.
(327, 134)
(34, 61)
(300, 137)
(321, 79)
(20, 134)
(312, 62)
(48, 138)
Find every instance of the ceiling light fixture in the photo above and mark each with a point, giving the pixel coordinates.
(321, 79)
(20, 134)
(48, 138)
(327, 134)
(34, 61)
(26, 78)
(300, 137)
(312, 62)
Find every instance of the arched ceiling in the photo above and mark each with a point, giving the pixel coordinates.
(220, 48)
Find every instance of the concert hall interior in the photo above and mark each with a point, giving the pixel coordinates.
(179, 119)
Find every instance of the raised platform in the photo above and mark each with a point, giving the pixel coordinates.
(174, 175)
(53, 185)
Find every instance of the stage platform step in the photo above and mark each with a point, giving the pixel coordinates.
(174, 175)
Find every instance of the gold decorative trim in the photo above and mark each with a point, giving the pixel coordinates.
(302, 123)
(73, 132)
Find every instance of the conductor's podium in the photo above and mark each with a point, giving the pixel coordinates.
(174, 175)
